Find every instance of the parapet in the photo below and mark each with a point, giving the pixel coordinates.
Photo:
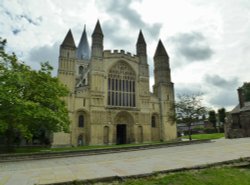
(120, 54)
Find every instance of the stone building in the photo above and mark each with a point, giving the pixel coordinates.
(238, 120)
(110, 101)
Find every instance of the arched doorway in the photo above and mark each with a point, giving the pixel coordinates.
(155, 127)
(80, 140)
(140, 134)
(124, 128)
(121, 134)
(106, 135)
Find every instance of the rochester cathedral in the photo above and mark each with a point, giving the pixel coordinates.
(109, 100)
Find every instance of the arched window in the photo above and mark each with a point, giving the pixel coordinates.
(81, 121)
(153, 121)
(80, 140)
(80, 70)
(121, 86)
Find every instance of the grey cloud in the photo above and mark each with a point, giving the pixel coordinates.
(216, 90)
(16, 31)
(154, 30)
(45, 53)
(224, 98)
(222, 91)
(35, 21)
(121, 10)
(111, 32)
(8, 14)
(188, 89)
(30, 20)
(220, 82)
(192, 46)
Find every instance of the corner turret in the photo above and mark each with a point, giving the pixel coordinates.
(68, 47)
(141, 48)
(97, 42)
(69, 41)
(161, 65)
(164, 90)
(66, 68)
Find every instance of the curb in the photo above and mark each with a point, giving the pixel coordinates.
(235, 162)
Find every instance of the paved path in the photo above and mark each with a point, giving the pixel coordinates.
(121, 164)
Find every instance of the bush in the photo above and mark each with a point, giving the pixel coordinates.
(198, 129)
(210, 130)
(221, 129)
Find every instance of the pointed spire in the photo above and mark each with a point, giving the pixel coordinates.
(141, 48)
(97, 42)
(160, 50)
(69, 40)
(98, 29)
(83, 51)
(140, 39)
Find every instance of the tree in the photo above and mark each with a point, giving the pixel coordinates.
(222, 115)
(30, 100)
(189, 109)
(246, 91)
(212, 118)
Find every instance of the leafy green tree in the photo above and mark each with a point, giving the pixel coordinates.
(189, 109)
(246, 91)
(30, 100)
(222, 115)
(212, 118)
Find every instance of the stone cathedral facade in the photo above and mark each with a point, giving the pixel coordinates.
(110, 101)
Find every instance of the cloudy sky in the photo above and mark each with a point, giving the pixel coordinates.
(208, 41)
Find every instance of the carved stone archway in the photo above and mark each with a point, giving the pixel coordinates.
(124, 131)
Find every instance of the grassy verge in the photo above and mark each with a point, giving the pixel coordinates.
(236, 172)
(210, 176)
(22, 150)
(206, 136)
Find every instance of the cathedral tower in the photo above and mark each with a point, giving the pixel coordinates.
(141, 52)
(164, 90)
(141, 48)
(66, 69)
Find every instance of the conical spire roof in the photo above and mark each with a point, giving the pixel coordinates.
(69, 40)
(141, 39)
(83, 51)
(98, 29)
(160, 50)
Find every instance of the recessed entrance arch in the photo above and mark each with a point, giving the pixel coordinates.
(124, 128)
(121, 134)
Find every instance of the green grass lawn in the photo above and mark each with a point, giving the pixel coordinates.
(21, 150)
(210, 176)
(206, 136)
